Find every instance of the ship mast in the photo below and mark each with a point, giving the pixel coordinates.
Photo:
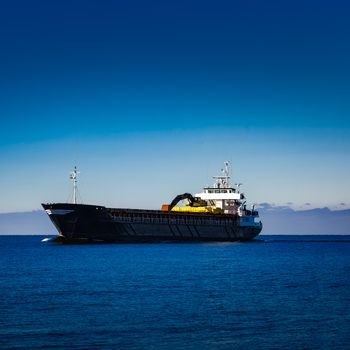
(223, 181)
(226, 173)
(74, 178)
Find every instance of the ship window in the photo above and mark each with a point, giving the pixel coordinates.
(217, 191)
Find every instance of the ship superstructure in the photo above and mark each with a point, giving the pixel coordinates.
(222, 195)
(217, 214)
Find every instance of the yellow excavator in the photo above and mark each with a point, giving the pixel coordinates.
(195, 205)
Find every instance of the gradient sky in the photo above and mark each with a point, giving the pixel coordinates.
(149, 98)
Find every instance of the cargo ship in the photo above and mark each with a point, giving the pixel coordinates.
(218, 214)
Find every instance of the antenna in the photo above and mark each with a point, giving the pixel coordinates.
(224, 179)
(227, 168)
(74, 178)
(227, 173)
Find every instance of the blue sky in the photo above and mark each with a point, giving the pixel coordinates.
(148, 100)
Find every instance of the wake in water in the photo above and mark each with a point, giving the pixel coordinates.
(47, 239)
(261, 239)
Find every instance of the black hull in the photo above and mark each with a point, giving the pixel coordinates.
(89, 223)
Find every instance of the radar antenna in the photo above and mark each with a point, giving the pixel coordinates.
(74, 178)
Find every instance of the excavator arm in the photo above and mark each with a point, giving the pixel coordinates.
(191, 200)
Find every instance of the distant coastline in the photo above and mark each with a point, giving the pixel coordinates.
(277, 220)
(26, 223)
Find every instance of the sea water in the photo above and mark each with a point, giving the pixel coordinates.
(290, 292)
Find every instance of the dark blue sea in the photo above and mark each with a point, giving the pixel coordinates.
(280, 292)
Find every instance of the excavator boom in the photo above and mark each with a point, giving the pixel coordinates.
(180, 197)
